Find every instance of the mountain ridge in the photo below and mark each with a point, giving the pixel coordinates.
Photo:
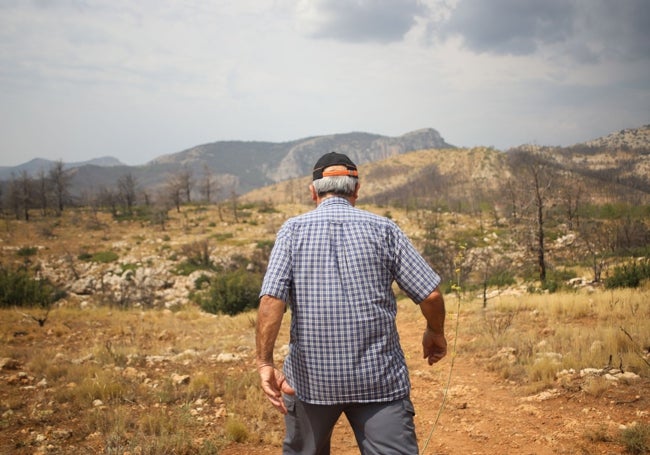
(616, 167)
(36, 165)
(240, 167)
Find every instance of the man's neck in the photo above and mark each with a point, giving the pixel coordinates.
(332, 195)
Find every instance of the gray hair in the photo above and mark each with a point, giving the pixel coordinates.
(342, 185)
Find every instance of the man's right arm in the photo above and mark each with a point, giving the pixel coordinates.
(269, 320)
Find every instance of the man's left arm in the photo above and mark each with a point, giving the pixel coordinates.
(434, 343)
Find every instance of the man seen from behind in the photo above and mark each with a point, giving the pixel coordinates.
(334, 267)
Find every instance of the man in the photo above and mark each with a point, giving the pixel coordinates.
(334, 266)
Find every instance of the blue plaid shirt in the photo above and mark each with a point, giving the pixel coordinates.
(335, 266)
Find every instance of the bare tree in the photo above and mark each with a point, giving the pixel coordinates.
(512, 191)
(174, 191)
(536, 182)
(60, 181)
(161, 205)
(109, 199)
(127, 191)
(234, 200)
(631, 232)
(14, 199)
(42, 191)
(594, 235)
(209, 187)
(24, 194)
(571, 192)
(185, 182)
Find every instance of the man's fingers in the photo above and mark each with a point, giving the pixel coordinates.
(275, 397)
(286, 388)
(274, 384)
(433, 358)
(278, 403)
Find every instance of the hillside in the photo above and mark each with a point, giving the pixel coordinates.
(433, 171)
(126, 362)
(470, 176)
(415, 169)
(622, 157)
(233, 166)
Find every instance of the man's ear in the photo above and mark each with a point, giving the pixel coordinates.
(314, 194)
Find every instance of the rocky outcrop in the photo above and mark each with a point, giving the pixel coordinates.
(360, 147)
(631, 139)
(140, 286)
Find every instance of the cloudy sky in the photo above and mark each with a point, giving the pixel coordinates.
(80, 79)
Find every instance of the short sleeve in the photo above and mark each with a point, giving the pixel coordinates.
(411, 271)
(278, 278)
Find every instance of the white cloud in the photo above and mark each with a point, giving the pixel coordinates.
(139, 79)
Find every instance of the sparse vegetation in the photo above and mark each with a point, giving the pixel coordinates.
(18, 287)
(230, 292)
(629, 275)
(197, 256)
(103, 257)
(636, 439)
(27, 251)
(148, 381)
(151, 377)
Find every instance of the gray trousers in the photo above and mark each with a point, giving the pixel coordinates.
(379, 428)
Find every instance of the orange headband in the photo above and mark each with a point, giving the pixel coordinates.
(337, 172)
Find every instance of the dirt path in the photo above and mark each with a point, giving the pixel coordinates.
(485, 414)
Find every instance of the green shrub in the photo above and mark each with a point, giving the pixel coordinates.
(27, 251)
(231, 293)
(265, 245)
(186, 268)
(267, 207)
(130, 267)
(18, 288)
(502, 279)
(103, 257)
(556, 279)
(629, 275)
(85, 256)
(551, 285)
(636, 439)
(201, 282)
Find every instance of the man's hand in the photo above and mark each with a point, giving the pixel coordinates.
(274, 384)
(434, 346)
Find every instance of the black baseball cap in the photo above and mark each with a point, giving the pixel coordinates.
(334, 159)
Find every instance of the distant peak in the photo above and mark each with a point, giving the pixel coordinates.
(104, 161)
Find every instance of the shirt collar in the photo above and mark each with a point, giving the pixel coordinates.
(334, 200)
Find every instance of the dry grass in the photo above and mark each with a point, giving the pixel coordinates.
(111, 377)
(554, 332)
(112, 372)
